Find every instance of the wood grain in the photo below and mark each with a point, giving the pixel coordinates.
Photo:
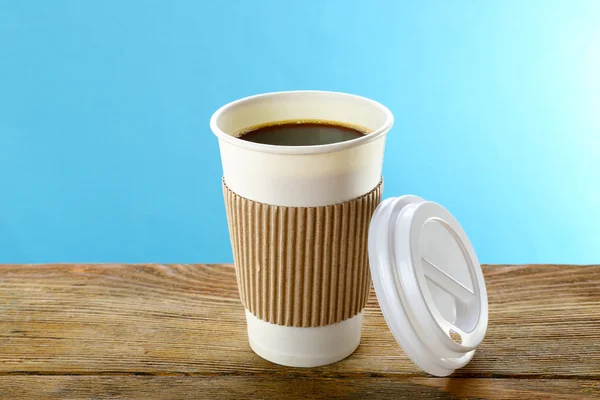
(156, 326)
(247, 387)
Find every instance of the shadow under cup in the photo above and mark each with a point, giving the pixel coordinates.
(298, 220)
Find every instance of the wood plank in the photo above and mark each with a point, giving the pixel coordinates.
(187, 319)
(244, 387)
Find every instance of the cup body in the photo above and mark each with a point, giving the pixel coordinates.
(298, 218)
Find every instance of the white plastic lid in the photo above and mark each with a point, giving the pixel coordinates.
(428, 282)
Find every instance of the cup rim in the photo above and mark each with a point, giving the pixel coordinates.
(312, 149)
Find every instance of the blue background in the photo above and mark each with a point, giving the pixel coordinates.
(106, 153)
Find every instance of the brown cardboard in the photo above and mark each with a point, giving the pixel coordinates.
(301, 266)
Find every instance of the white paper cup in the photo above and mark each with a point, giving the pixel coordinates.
(302, 178)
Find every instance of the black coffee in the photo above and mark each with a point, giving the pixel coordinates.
(302, 133)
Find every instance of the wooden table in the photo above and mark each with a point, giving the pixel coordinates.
(178, 332)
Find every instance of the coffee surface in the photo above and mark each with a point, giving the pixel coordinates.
(302, 133)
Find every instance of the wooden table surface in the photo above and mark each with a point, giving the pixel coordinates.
(178, 332)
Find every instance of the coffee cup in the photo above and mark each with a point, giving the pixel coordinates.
(298, 219)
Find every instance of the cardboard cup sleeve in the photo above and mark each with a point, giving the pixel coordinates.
(301, 266)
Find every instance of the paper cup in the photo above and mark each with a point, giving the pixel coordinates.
(298, 220)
